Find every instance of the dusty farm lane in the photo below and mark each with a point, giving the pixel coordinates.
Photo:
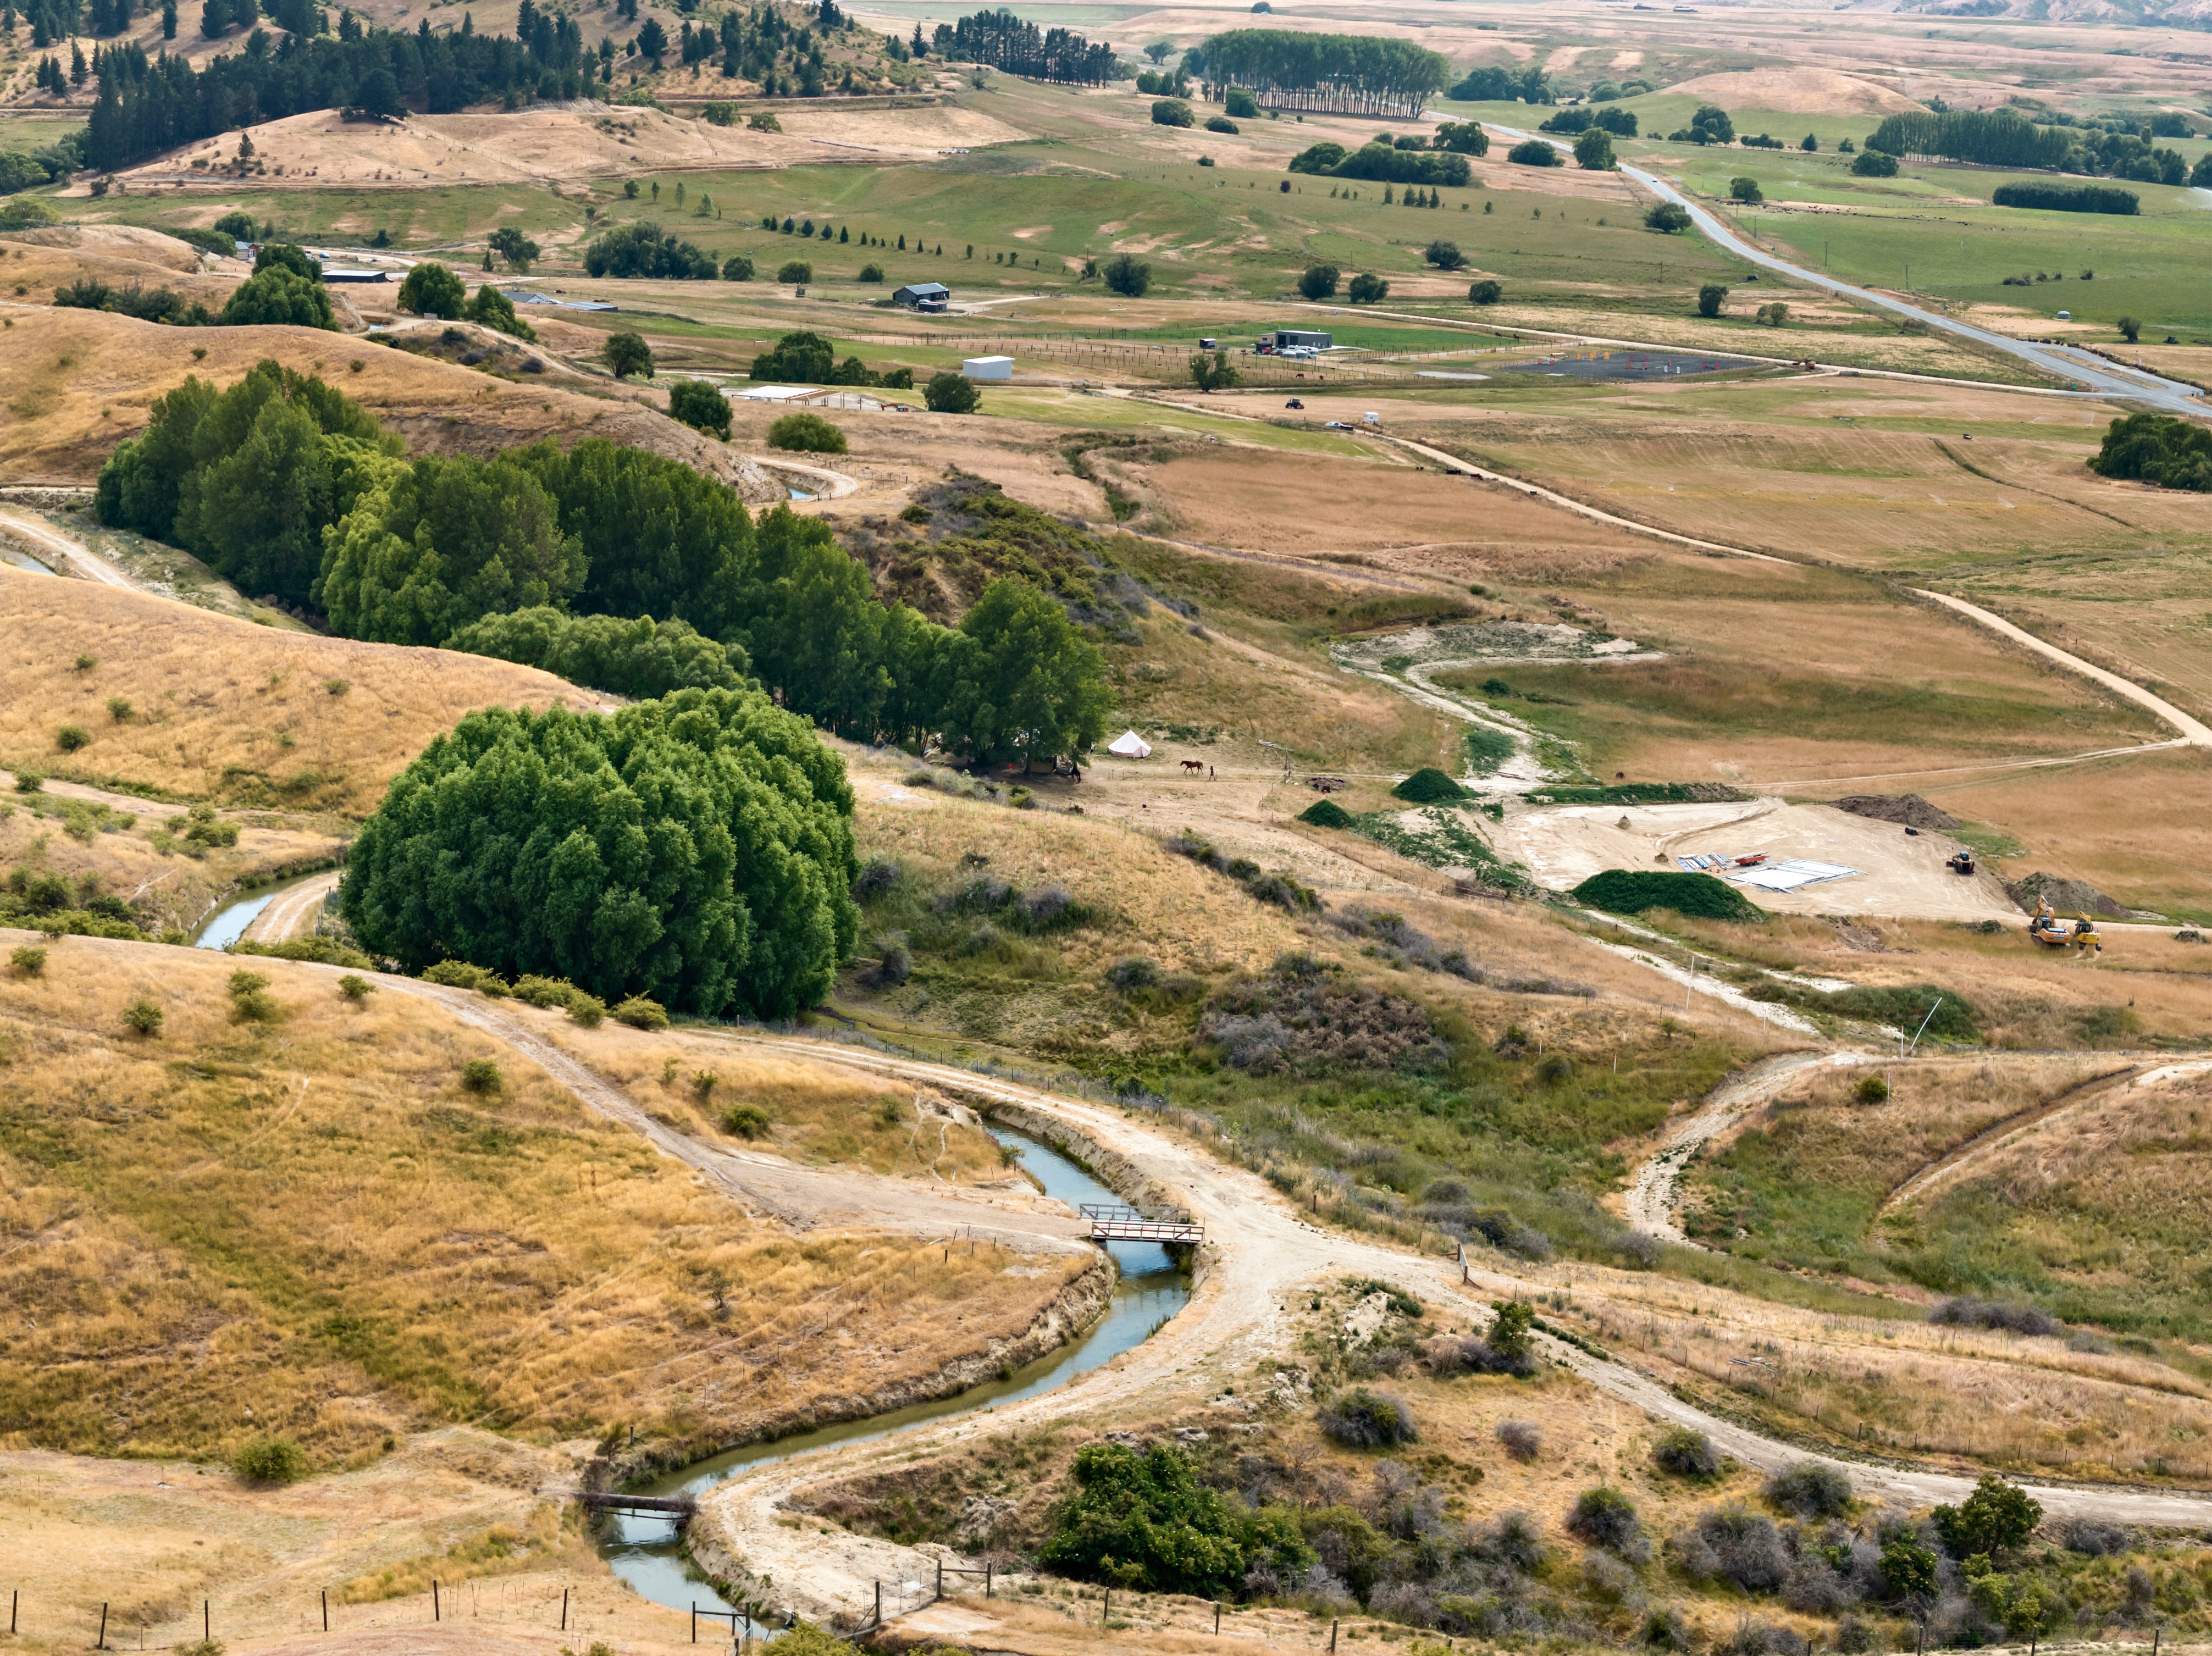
(1258, 1249)
(73, 554)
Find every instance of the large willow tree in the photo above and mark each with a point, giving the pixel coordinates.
(1335, 74)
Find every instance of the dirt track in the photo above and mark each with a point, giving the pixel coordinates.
(291, 912)
(1257, 1251)
(75, 557)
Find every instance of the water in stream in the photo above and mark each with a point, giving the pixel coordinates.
(227, 924)
(644, 1551)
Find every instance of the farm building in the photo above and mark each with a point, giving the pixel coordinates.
(922, 295)
(988, 367)
(1284, 336)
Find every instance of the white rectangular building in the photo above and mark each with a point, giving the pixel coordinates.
(988, 367)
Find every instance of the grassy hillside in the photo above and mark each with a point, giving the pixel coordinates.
(310, 1216)
(220, 709)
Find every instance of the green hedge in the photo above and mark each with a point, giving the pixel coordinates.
(1632, 891)
(1429, 786)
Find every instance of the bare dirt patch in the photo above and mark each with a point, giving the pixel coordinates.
(1562, 846)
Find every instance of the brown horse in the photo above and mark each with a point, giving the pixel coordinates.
(1193, 764)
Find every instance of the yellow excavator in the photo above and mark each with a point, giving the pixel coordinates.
(2079, 933)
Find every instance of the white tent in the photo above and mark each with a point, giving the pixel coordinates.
(1130, 745)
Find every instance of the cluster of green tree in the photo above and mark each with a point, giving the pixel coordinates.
(286, 289)
(148, 106)
(1172, 111)
(1504, 86)
(45, 165)
(695, 850)
(1709, 124)
(432, 289)
(1467, 137)
(1603, 92)
(2068, 198)
(650, 250)
(2157, 448)
(1535, 152)
(247, 479)
(808, 359)
(1146, 1521)
(640, 658)
(1340, 74)
(2003, 137)
(1621, 122)
(1379, 160)
(761, 43)
(1000, 40)
(147, 304)
(1593, 150)
(1162, 84)
(284, 486)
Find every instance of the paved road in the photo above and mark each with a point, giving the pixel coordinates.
(2064, 361)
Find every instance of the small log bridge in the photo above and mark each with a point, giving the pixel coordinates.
(1129, 1224)
(678, 1509)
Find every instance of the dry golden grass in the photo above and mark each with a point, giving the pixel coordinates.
(75, 382)
(816, 1114)
(1953, 1396)
(312, 1219)
(2145, 989)
(224, 709)
(153, 1539)
(50, 833)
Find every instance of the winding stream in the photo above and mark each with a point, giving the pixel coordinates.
(645, 1552)
(228, 923)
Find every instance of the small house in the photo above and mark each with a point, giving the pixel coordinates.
(922, 295)
(1284, 337)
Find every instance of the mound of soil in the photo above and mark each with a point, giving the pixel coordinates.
(1628, 891)
(1326, 813)
(1907, 809)
(1428, 787)
(2067, 896)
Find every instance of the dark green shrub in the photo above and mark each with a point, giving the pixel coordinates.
(1171, 111)
(1632, 891)
(480, 1075)
(143, 1016)
(70, 737)
(1606, 1518)
(951, 393)
(700, 406)
(355, 989)
(586, 1010)
(1429, 786)
(463, 975)
(1810, 1489)
(270, 1460)
(432, 289)
(1326, 813)
(1146, 1522)
(1319, 282)
(639, 1013)
(1368, 1419)
(28, 961)
(745, 1121)
(795, 271)
(807, 434)
(249, 1003)
(1484, 291)
(1687, 1452)
(1128, 275)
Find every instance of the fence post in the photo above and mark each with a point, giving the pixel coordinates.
(207, 1623)
(987, 1578)
(1217, 1618)
(327, 1610)
(879, 1604)
(695, 1620)
(940, 1583)
(564, 1610)
(1333, 1627)
(437, 1613)
(101, 1642)
(15, 1598)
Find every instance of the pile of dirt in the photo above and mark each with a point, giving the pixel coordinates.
(2066, 896)
(1907, 809)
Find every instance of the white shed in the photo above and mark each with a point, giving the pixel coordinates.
(988, 367)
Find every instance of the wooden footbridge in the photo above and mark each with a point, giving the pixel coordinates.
(678, 1509)
(1132, 1224)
